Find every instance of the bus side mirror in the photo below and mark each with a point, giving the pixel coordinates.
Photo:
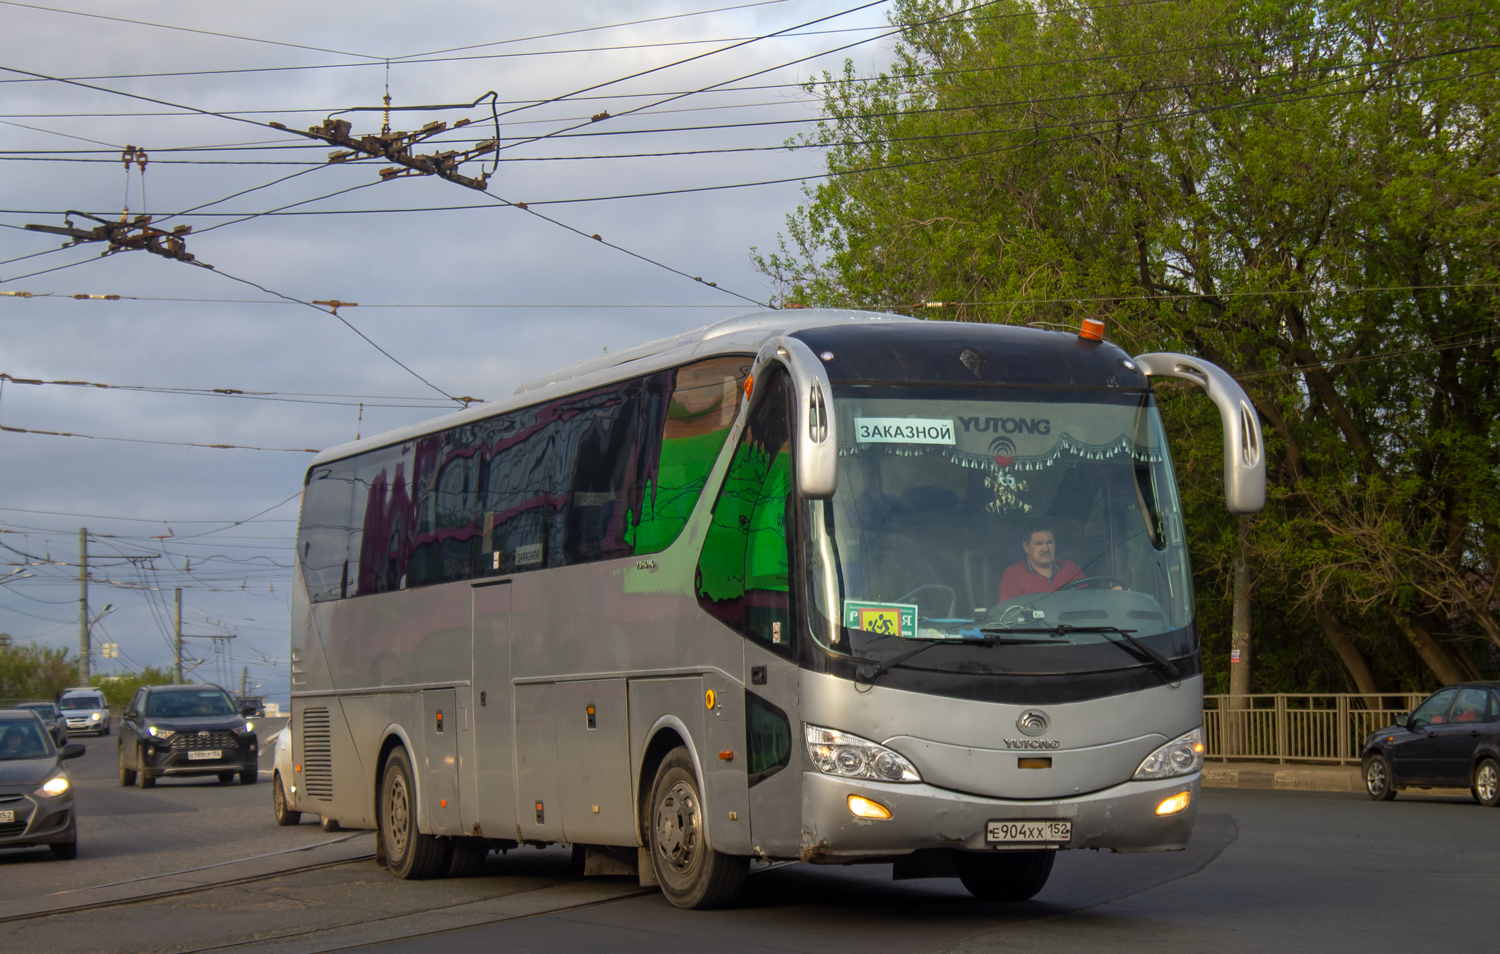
(814, 431)
(1244, 454)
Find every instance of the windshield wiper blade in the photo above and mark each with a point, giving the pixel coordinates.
(1062, 629)
(869, 674)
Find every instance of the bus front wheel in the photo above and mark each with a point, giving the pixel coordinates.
(1004, 875)
(691, 874)
(409, 853)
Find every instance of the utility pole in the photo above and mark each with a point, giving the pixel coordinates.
(177, 641)
(1240, 656)
(83, 606)
(244, 680)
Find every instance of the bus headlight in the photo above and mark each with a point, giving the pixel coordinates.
(1181, 756)
(849, 756)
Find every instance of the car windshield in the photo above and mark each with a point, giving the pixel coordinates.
(972, 514)
(23, 740)
(45, 709)
(189, 705)
(82, 702)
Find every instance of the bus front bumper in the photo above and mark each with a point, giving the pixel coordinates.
(1121, 818)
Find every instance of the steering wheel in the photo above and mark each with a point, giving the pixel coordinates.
(1114, 581)
(952, 596)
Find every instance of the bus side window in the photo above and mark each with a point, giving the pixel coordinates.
(703, 404)
(611, 441)
(379, 541)
(325, 529)
(743, 577)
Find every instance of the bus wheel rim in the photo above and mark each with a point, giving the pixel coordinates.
(679, 827)
(400, 815)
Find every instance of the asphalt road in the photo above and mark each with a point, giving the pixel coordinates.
(1265, 871)
(128, 833)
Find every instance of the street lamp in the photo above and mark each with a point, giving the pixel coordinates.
(89, 629)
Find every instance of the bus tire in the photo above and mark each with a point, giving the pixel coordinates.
(285, 814)
(1380, 784)
(1004, 875)
(691, 874)
(410, 854)
(467, 859)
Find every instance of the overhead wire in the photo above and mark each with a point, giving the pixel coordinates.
(1132, 122)
(183, 29)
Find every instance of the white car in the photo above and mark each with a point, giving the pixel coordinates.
(284, 782)
(85, 711)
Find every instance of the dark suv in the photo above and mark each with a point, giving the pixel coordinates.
(177, 731)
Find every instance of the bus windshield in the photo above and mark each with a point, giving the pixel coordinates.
(1018, 531)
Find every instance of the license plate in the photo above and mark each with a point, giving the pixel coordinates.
(1028, 832)
(7, 816)
(197, 754)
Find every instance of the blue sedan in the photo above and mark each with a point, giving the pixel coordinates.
(1451, 740)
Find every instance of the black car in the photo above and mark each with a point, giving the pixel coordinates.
(1451, 740)
(52, 718)
(36, 795)
(177, 731)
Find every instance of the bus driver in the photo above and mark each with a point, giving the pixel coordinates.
(1040, 572)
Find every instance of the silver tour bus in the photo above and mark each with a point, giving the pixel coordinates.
(831, 586)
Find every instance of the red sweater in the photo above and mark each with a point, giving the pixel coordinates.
(1020, 579)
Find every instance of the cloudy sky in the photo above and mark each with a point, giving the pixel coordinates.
(465, 294)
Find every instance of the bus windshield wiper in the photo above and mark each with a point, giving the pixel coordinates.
(869, 673)
(1161, 662)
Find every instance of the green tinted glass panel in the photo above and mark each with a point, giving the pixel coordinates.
(704, 403)
(768, 738)
(743, 577)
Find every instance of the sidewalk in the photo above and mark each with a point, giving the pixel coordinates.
(1298, 777)
(1291, 776)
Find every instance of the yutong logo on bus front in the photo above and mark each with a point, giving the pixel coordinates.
(1007, 425)
(1033, 722)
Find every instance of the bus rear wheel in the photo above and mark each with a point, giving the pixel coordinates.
(691, 874)
(1004, 875)
(409, 853)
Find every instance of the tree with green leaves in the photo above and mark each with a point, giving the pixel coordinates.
(1305, 194)
(35, 672)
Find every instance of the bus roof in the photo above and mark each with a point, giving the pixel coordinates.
(740, 335)
(865, 346)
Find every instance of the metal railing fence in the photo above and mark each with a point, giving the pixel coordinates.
(1298, 727)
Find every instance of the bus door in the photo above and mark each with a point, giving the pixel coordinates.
(489, 789)
(744, 581)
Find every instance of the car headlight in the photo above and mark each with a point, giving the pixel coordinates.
(95, 716)
(1181, 756)
(163, 734)
(849, 756)
(245, 729)
(53, 787)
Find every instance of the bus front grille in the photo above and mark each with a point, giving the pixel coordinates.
(317, 754)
